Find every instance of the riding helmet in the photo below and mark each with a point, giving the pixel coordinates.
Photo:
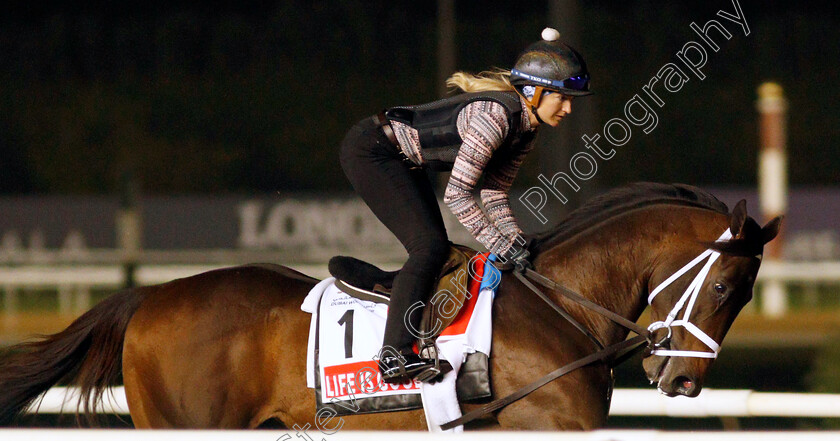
(551, 65)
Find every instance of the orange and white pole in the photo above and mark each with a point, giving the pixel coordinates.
(773, 182)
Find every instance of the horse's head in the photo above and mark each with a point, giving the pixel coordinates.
(693, 308)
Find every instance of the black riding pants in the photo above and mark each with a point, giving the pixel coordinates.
(404, 200)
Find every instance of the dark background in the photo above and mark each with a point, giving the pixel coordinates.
(254, 97)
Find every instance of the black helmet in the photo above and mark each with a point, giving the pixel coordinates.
(552, 65)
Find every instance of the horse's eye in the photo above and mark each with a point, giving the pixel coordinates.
(720, 288)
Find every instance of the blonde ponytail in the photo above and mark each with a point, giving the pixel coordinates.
(496, 79)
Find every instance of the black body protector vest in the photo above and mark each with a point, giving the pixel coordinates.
(436, 125)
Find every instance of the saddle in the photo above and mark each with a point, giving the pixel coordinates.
(365, 281)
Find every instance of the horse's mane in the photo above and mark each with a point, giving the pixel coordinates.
(622, 200)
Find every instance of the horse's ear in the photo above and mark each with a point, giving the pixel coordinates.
(770, 230)
(739, 216)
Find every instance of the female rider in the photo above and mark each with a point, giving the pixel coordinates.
(485, 131)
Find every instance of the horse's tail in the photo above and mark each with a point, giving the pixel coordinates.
(87, 354)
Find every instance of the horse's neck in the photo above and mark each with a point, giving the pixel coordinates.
(612, 262)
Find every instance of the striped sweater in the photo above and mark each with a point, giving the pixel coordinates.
(483, 126)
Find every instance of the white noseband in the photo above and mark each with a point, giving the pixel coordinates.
(689, 297)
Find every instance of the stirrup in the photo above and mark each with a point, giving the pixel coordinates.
(429, 351)
(429, 374)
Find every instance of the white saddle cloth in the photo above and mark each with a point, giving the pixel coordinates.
(351, 333)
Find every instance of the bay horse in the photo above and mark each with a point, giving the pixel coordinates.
(227, 348)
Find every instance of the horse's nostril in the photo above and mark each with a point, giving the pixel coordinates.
(683, 385)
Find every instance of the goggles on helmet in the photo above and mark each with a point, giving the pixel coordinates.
(580, 83)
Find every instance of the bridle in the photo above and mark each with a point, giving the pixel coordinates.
(686, 302)
(619, 352)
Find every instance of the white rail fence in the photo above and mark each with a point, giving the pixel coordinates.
(625, 402)
(75, 282)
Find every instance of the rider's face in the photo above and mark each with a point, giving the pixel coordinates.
(553, 107)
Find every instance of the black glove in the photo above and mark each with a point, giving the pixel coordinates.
(521, 262)
(518, 257)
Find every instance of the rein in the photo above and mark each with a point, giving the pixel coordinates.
(577, 298)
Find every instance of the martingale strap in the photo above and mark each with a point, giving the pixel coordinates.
(558, 309)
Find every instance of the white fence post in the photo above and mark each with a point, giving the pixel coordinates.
(65, 299)
(774, 302)
(772, 183)
(10, 305)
